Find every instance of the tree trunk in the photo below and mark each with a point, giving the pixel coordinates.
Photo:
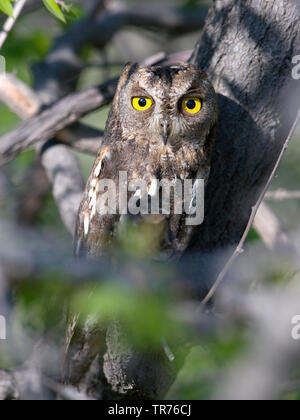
(247, 49)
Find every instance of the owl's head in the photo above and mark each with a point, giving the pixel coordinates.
(165, 106)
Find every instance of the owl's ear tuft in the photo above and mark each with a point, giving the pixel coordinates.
(201, 72)
(204, 75)
(128, 70)
(195, 69)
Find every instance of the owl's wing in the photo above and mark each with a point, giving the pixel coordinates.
(92, 229)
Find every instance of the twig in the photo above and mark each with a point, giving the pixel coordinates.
(9, 24)
(240, 248)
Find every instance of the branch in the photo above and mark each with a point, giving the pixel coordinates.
(60, 164)
(18, 96)
(54, 119)
(24, 102)
(64, 113)
(280, 195)
(55, 77)
(81, 137)
(64, 173)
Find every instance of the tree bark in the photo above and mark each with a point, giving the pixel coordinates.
(246, 49)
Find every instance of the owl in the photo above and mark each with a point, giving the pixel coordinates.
(161, 127)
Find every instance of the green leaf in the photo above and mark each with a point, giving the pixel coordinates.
(54, 9)
(6, 7)
(75, 11)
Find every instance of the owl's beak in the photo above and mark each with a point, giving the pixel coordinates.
(165, 131)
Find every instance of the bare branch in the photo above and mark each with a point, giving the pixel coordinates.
(19, 97)
(60, 164)
(49, 122)
(64, 113)
(23, 101)
(281, 194)
(81, 137)
(65, 175)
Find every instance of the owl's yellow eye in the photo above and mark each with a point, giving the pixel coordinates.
(192, 105)
(141, 103)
